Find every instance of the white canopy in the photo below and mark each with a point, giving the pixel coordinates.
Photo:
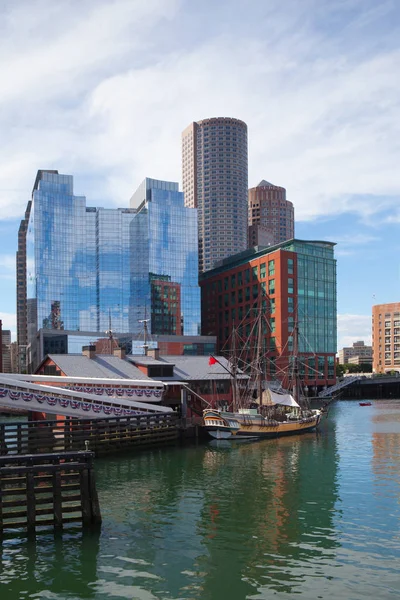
(285, 399)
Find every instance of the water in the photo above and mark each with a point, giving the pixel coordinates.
(316, 515)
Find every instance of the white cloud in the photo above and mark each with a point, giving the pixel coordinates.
(7, 276)
(7, 263)
(352, 328)
(104, 92)
(350, 244)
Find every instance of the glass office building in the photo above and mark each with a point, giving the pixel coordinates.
(316, 295)
(86, 268)
(164, 261)
(77, 261)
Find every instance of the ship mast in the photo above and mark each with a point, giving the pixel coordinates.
(234, 372)
(296, 386)
(259, 361)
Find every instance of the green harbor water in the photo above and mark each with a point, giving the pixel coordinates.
(312, 516)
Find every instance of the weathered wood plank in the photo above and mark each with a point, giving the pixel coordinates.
(50, 489)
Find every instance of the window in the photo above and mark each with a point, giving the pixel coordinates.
(271, 267)
(290, 286)
(263, 271)
(290, 266)
(272, 305)
(271, 286)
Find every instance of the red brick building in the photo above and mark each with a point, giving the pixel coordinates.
(293, 285)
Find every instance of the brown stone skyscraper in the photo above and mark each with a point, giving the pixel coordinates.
(269, 208)
(214, 173)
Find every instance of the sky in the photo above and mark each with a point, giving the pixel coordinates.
(102, 90)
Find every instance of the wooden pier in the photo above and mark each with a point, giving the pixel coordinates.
(102, 436)
(48, 490)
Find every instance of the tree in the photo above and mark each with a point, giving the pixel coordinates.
(340, 369)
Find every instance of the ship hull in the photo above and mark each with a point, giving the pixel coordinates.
(283, 429)
(231, 426)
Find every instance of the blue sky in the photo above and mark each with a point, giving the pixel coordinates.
(102, 90)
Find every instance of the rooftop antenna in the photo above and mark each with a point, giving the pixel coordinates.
(145, 332)
(110, 332)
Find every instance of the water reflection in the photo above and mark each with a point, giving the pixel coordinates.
(276, 498)
(315, 515)
(221, 520)
(60, 564)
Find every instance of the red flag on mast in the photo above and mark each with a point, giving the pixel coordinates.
(212, 361)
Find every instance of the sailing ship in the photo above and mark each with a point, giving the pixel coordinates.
(272, 414)
(284, 416)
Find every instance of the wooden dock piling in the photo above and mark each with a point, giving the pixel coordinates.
(51, 490)
(113, 434)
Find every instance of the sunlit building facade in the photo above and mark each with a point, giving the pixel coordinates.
(293, 284)
(386, 337)
(164, 267)
(77, 262)
(214, 180)
(88, 269)
(269, 209)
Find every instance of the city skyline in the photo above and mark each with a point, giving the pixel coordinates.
(322, 116)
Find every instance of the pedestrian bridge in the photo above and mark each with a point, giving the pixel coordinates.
(81, 397)
(338, 386)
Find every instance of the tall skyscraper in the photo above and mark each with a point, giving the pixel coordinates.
(73, 264)
(214, 175)
(164, 266)
(269, 209)
(82, 268)
(76, 258)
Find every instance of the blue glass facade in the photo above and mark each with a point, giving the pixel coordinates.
(164, 262)
(316, 302)
(77, 261)
(87, 265)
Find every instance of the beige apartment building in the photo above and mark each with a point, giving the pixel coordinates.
(386, 337)
(269, 209)
(356, 354)
(215, 181)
